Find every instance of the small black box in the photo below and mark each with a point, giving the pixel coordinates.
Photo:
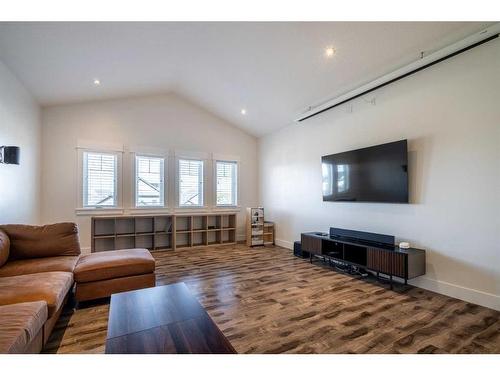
(297, 250)
(9, 154)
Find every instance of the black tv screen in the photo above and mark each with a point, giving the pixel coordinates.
(372, 174)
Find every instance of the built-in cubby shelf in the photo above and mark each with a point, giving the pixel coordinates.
(162, 232)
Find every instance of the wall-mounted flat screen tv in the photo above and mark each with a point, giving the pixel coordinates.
(372, 174)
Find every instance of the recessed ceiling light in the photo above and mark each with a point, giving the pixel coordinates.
(329, 51)
(97, 82)
(243, 111)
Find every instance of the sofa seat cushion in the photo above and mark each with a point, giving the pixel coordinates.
(51, 287)
(20, 324)
(38, 265)
(108, 265)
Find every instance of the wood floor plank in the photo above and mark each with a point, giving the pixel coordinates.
(265, 300)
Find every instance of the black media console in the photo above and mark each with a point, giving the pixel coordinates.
(371, 251)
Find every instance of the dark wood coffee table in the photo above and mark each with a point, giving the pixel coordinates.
(163, 319)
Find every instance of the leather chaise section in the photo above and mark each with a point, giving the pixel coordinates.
(113, 264)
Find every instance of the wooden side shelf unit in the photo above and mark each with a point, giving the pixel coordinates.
(268, 233)
(255, 226)
(162, 232)
(259, 232)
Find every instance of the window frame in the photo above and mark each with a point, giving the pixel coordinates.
(165, 178)
(236, 182)
(178, 180)
(85, 180)
(114, 149)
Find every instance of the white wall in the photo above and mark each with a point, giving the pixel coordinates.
(450, 113)
(19, 126)
(166, 122)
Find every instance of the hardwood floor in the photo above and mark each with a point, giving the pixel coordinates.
(267, 301)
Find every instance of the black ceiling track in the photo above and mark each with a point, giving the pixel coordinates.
(403, 76)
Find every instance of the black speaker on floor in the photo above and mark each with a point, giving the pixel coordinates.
(297, 250)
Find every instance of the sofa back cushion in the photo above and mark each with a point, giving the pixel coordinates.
(4, 247)
(30, 241)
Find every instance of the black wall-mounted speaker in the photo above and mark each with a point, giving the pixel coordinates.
(10, 154)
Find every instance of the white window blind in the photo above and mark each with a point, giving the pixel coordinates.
(149, 181)
(190, 175)
(226, 183)
(99, 179)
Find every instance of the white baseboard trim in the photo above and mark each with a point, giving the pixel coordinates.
(442, 287)
(283, 243)
(457, 291)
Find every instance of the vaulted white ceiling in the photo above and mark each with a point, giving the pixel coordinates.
(273, 70)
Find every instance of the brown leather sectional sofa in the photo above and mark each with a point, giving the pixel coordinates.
(36, 274)
(38, 267)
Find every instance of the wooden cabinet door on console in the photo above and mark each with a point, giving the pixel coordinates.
(311, 244)
(387, 262)
(398, 265)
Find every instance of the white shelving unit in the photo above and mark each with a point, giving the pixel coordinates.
(255, 226)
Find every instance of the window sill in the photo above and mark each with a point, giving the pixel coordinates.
(192, 208)
(148, 210)
(208, 209)
(226, 208)
(87, 211)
